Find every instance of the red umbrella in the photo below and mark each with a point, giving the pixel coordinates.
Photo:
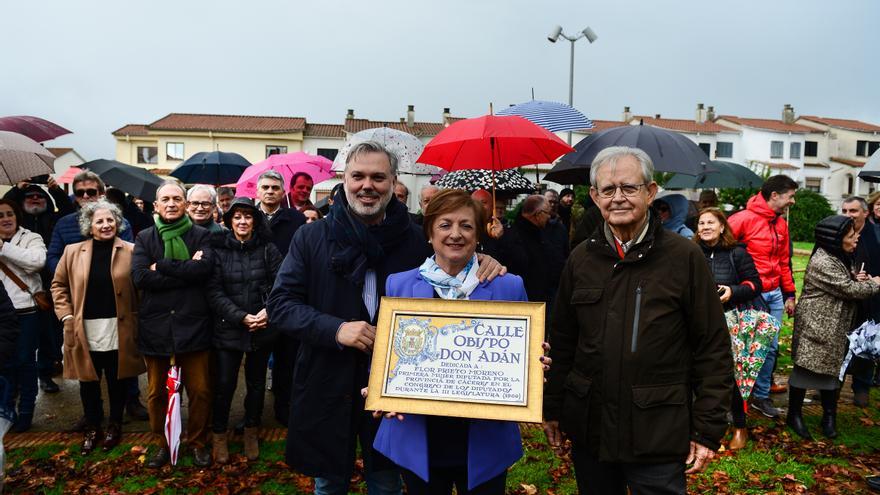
(493, 143)
(172, 416)
(33, 127)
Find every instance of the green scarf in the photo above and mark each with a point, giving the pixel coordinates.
(175, 248)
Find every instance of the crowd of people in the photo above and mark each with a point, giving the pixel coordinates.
(639, 377)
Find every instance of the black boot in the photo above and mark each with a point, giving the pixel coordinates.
(829, 413)
(795, 418)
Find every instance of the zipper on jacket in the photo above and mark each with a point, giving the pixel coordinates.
(635, 330)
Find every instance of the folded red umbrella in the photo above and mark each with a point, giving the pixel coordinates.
(493, 143)
(33, 127)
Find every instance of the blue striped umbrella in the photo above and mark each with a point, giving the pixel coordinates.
(550, 115)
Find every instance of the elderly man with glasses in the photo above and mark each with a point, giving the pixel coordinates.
(642, 369)
(200, 203)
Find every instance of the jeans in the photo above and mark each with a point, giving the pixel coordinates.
(378, 483)
(227, 365)
(106, 363)
(21, 372)
(49, 351)
(776, 304)
(613, 478)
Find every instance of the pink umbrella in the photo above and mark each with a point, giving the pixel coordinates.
(172, 417)
(33, 127)
(288, 164)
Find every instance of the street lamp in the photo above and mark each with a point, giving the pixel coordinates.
(585, 33)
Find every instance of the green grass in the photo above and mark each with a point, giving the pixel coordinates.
(804, 245)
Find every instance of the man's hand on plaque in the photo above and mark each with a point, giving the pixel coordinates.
(357, 334)
(554, 435)
(489, 267)
(546, 360)
(379, 414)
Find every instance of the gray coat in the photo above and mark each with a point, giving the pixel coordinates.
(826, 313)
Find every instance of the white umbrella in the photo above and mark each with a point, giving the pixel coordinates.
(405, 146)
(22, 158)
(871, 171)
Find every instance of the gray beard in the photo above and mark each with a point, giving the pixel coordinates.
(35, 210)
(368, 211)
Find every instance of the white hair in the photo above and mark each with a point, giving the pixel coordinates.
(610, 156)
(87, 212)
(202, 187)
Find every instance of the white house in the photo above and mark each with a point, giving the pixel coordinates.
(64, 159)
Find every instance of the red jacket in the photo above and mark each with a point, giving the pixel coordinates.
(765, 234)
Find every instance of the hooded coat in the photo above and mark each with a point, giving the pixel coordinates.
(243, 275)
(641, 353)
(765, 234)
(678, 210)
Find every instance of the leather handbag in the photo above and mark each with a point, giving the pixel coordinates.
(41, 298)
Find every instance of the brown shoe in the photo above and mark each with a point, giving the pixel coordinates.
(220, 447)
(738, 441)
(90, 440)
(778, 389)
(251, 443)
(113, 436)
(861, 399)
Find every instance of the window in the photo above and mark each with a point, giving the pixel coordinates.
(866, 148)
(724, 150)
(813, 184)
(811, 148)
(328, 153)
(148, 155)
(794, 151)
(707, 148)
(174, 151)
(776, 148)
(275, 150)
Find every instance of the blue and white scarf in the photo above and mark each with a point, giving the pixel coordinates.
(447, 286)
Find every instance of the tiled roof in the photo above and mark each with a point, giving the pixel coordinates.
(59, 151)
(684, 125)
(601, 125)
(852, 125)
(768, 124)
(131, 130)
(228, 123)
(851, 163)
(418, 129)
(325, 130)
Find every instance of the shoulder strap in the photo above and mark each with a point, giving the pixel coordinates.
(12, 276)
(733, 265)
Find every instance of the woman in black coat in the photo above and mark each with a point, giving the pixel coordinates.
(738, 284)
(245, 264)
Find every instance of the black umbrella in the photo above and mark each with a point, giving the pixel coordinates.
(214, 167)
(138, 182)
(670, 151)
(717, 174)
(506, 181)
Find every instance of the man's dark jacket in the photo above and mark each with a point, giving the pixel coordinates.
(8, 327)
(641, 353)
(309, 302)
(545, 251)
(868, 252)
(283, 225)
(174, 316)
(243, 275)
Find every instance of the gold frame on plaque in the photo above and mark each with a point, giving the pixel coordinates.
(392, 308)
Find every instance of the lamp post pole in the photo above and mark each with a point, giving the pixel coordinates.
(585, 33)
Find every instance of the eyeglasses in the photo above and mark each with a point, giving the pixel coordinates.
(201, 204)
(91, 192)
(628, 190)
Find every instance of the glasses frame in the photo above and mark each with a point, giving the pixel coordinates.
(620, 188)
(79, 193)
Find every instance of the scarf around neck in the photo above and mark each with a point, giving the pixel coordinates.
(448, 286)
(361, 247)
(170, 233)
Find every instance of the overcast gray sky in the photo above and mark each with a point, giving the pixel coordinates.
(94, 65)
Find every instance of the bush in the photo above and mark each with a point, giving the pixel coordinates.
(736, 197)
(809, 208)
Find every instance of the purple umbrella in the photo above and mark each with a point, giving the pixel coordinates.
(33, 127)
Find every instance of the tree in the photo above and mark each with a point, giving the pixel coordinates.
(810, 207)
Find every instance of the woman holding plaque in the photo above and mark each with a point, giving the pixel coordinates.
(436, 453)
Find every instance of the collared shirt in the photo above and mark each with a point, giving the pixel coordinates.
(625, 246)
